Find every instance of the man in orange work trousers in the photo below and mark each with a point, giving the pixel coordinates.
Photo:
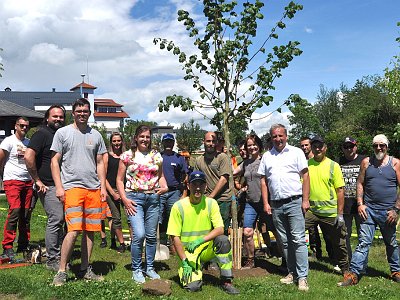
(80, 185)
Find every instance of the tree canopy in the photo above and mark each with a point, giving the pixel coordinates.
(241, 72)
(189, 136)
(361, 112)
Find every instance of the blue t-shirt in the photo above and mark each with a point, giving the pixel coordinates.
(174, 168)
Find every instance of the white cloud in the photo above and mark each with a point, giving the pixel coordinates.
(308, 30)
(264, 121)
(52, 54)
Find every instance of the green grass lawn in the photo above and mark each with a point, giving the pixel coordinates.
(33, 282)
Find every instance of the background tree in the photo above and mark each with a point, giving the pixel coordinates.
(129, 128)
(392, 84)
(103, 131)
(304, 120)
(238, 129)
(241, 71)
(361, 112)
(189, 136)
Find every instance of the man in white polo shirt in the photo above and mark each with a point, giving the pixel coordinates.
(282, 169)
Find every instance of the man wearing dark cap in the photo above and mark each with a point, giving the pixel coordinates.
(378, 201)
(197, 229)
(175, 172)
(350, 165)
(327, 200)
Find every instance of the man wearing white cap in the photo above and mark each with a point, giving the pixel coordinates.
(378, 202)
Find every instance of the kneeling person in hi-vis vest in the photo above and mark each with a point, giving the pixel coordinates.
(197, 229)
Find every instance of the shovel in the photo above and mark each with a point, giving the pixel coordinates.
(162, 251)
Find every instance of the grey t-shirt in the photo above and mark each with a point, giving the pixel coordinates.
(252, 179)
(79, 151)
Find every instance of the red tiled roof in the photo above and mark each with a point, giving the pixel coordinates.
(107, 102)
(121, 114)
(84, 85)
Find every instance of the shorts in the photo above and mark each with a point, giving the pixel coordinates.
(254, 211)
(83, 209)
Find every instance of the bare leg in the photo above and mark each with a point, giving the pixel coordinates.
(249, 241)
(86, 248)
(67, 248)
(120, 236)
(103, 230)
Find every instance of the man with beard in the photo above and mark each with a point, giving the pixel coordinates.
(305, 145)
(218, 169)
(378, 201)
(79, 176)
(350, 165)
(196, 227)
(18, 186)
(175, 172)
(37, 160)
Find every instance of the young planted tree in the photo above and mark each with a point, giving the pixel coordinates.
(240, 69)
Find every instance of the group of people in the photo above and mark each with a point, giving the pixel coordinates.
(304, 190)
(287, 189)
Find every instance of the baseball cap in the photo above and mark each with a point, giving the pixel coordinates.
(349, 139)
(317, 138)
(168, 136)
(197, 175)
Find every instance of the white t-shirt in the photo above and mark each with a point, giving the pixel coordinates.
(15, 168)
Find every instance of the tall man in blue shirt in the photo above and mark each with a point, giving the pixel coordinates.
(282, 169)
(175, 172)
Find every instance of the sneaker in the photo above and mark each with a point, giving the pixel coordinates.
(53, 265)
(9, 253)
(349, 278)
(303, 285)
(229, 288)
(121, 248)
(138, 277)
(103, 243)
(88, 274)
(288, 279)
(395, 276)
(248, 264)
(60, 279)
(337, 269)
(152, 274)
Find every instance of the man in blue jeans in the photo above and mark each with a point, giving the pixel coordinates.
(378, 201)
(281, 169)
(175, 173)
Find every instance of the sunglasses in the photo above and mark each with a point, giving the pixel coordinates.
(348, 146)
(376, 146)
(23, 126)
